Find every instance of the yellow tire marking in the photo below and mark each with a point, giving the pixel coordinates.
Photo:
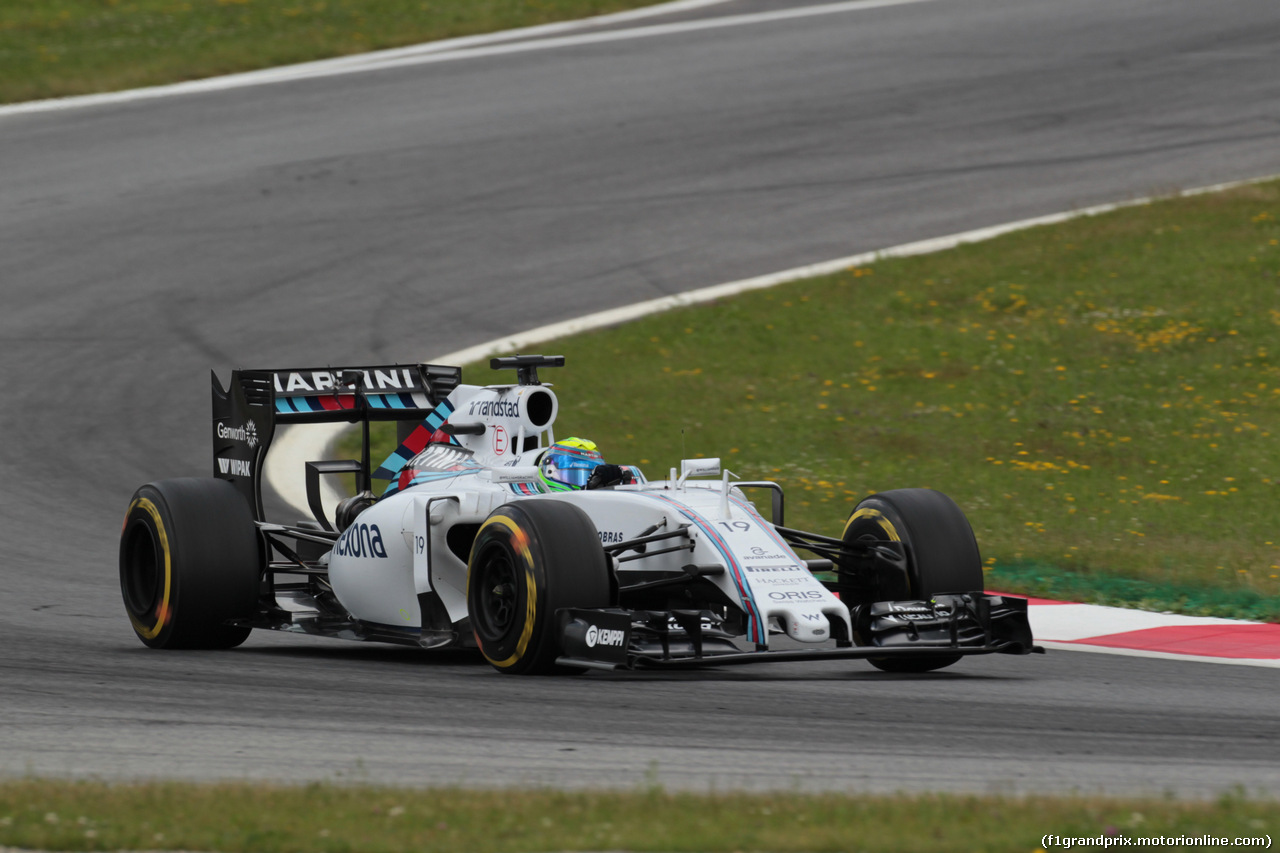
(520, 539)
(163, 610)
(878, 517)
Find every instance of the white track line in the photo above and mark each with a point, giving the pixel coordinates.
(468, 47)
(292, 448)
(351, 64)
(1072, 623)
(1142, 653)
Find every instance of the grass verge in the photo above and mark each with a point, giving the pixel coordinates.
(53, 48)
(1101, 397)
(51, 815)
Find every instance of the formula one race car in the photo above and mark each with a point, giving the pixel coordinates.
(494, 535)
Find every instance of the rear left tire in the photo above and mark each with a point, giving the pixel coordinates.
(189, 562)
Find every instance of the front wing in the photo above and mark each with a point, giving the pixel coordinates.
(961, 624)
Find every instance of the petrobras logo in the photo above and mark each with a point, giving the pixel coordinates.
(605, 637)
(908, 611)
(704, 624)
(917, 614)
(247, 434)
(361, 540)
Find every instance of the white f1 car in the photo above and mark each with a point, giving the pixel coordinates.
(472, 545)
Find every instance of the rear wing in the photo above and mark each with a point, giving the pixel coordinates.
(246, 411)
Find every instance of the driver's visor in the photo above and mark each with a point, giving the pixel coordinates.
(570, 468)
(574, 472)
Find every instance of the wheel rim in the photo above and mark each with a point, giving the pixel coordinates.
(497, 593)
(142, 569)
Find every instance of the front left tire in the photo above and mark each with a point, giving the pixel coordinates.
(529, 559)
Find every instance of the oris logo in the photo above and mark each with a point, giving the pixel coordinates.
(604, 637)
(247, 434)
(796, 595)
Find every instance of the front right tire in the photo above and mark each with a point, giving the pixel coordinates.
(942, 553)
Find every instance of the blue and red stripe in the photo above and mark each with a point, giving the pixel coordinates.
(757, 631)
(414, 443)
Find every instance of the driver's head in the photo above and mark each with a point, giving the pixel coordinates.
(567, 464)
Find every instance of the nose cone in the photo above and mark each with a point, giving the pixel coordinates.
(805, 626)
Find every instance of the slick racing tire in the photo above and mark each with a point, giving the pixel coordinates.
(529, 559)
(189, 562)
(942, 554)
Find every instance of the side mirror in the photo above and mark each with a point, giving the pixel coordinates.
(699, 468)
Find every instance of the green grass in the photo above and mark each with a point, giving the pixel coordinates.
(51, 815)
(1101, 397)
(52, 48)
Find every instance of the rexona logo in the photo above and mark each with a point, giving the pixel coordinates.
(235, 467)
(604, 637)
(361, 540)
(247, 434)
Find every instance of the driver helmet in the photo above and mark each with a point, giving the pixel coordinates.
(567, 464)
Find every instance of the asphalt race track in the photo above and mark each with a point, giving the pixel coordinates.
(411, 211)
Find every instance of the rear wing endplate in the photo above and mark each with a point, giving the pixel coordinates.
(246, 411)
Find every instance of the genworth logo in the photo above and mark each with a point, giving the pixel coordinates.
(247, 434)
